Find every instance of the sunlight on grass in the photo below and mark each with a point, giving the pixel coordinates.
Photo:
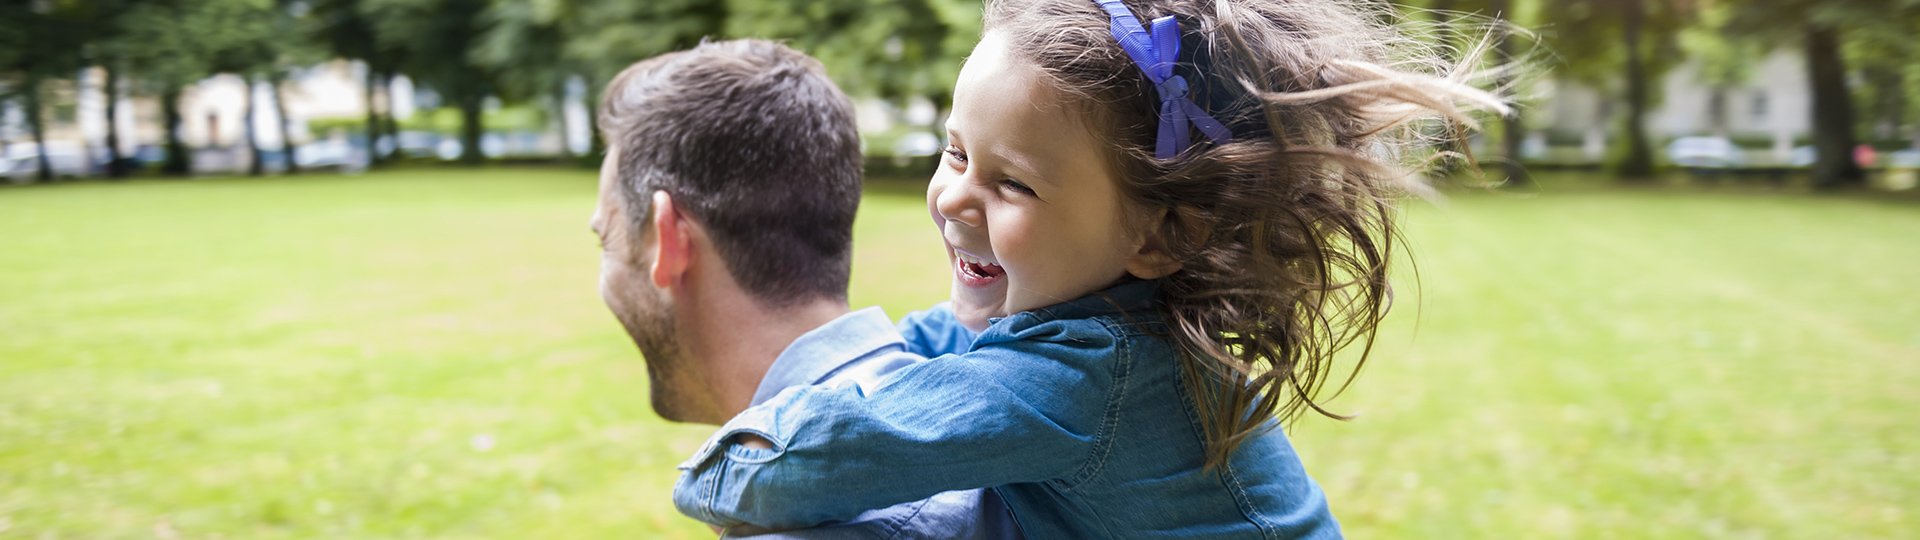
(423, 353)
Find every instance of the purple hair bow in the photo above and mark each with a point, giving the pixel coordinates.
(1156, 54)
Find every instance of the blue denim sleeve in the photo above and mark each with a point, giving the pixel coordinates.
(935, 332)
(1030, 410)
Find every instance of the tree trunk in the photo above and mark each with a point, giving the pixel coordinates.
(179, 162)
(1833, 140)
(116, 164)
(389, 122)
(373, 119)
(258, 164)
(471, 128)
(36, 122)
(596, 142)
(286, 124)
(1443, 134)
(1511, 132)
(560, 114)
(1636, 164)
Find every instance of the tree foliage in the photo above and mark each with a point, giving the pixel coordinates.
(887, 48)
(1632, 42)
(1823, 28)
(1864, 62)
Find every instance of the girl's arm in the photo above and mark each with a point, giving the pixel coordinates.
(935, 332)
(1019, 411)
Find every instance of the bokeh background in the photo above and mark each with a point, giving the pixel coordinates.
(320, 269)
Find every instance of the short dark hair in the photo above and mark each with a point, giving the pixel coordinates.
(756, 144)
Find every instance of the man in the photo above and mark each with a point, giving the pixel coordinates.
(726, 220)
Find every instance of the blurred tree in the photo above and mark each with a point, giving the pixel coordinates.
(292, 24)
(438, 36)
(1888, 63)
(240, 37)
(1822, 27)
(1506, 43)
(895, 49)
(100, 26)
(605, 36)
(1634, 41)
(343, 29)
(1460, 28)
(1442, 30)
(1725, 60)
(526, 43)
(43, 41)
(165, 46)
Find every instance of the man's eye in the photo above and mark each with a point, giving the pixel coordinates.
(1016, 186)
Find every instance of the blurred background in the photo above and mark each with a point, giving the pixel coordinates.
(320, 268)
(1816, 91)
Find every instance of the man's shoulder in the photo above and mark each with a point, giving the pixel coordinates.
(859, 346)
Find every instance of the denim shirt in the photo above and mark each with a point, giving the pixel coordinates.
(1075, 412)
(859, 348)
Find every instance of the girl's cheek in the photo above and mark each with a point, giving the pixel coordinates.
(1015, 233)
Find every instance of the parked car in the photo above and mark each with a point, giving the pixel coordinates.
(22, 160)
(1903, 159)
(1705, 153)
(420, 144)
(147, 155)
(1802, 156)
(326, 153)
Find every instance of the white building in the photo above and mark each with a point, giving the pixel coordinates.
(1774, 105)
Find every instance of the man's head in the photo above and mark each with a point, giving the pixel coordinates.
(743, 149)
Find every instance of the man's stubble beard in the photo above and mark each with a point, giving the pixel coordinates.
(654, 329)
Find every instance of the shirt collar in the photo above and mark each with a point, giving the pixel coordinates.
(1132, 297)
(820, 352)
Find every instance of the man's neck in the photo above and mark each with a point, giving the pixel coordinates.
(738, 339)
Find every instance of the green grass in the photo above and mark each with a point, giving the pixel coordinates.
(423, 354)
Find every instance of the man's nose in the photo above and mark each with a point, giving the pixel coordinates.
(958, 201)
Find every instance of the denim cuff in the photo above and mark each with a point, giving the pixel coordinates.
(758, 421)
(699, 493)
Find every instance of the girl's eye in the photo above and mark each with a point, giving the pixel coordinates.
(1017, 187)
(955, 153)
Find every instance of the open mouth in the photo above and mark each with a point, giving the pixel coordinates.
(975, 270)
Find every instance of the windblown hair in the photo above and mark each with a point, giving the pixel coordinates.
(1285, 232)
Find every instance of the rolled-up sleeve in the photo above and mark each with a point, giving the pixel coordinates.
(1026, 410)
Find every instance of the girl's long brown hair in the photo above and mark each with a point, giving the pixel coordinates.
(1284, 233)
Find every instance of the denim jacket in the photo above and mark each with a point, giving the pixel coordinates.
(1074, 413)
(861, 348)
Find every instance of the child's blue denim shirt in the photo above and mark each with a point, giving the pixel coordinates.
(1075, 412)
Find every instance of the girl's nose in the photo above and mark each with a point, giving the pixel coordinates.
(956, 201)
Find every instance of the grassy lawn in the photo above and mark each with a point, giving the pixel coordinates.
(423, 354)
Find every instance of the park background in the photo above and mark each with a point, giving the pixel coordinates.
(320, 269)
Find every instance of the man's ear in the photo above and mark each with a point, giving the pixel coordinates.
(1154, 258)
(673, 251)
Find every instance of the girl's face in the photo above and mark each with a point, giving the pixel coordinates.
(1030, 210)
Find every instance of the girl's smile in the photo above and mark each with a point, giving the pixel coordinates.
(974, 271)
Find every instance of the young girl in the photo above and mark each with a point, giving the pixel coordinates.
(1164, 217)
